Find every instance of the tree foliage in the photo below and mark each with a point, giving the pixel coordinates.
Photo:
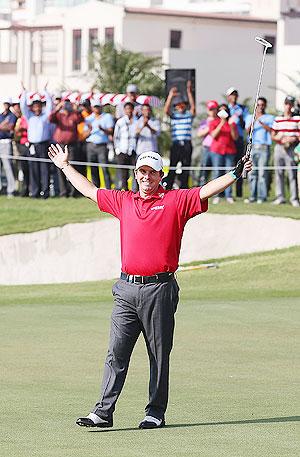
(115, 68)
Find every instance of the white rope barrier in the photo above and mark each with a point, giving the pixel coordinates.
(131, 167)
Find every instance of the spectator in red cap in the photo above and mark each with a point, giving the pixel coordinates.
(223, 148)
(207, 139)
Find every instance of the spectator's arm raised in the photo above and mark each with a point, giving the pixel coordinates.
(167, 107)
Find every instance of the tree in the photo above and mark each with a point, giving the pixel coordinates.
(115, 68)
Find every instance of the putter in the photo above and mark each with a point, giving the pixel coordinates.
(266, 45)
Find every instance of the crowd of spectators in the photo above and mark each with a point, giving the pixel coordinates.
(29, 124)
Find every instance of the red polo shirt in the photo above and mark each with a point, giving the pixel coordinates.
(151, 229)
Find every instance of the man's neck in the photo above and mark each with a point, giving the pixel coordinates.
(146, 195)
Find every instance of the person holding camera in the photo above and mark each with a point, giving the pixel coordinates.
(224, 133)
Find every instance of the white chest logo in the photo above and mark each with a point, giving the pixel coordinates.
(157, 207)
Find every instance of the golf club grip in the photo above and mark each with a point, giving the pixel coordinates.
(244, 174)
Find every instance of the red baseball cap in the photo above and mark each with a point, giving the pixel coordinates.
(212, 104)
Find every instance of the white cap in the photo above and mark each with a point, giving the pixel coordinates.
(230, 90)
(150, 158)
(6, 100)
(95, 101)
(132, 88)
(15, 100)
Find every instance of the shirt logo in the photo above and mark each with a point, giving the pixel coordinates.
(157, 207)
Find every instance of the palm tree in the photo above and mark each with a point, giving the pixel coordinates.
(115, 68)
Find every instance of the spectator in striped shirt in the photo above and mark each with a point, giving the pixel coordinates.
(181, 131)
(286, 132)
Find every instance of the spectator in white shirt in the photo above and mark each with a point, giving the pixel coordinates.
(125, 144)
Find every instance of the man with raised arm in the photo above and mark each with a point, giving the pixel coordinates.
(146, 295)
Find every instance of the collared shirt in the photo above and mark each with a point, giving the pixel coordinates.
(66, 126)
(181, 126)
(39, 127)
(147, 140)
(152, 228)
(97, 136)
(288, 126)
(8, 119)
(260, 134)
(125, 135)
(240, 113)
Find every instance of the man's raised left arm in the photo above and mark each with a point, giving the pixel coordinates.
(217, 185)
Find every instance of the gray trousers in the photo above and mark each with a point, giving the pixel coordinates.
(285, 157)
(148, 309)
(6, 150)
(98, 153)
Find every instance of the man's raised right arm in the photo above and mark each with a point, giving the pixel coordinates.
(60, 158)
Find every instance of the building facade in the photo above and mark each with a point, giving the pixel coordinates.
(55, 43)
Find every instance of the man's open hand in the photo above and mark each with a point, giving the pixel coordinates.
(58, 156)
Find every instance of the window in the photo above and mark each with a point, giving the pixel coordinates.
(109, 34)
(76, 50)
(175, 39)
(271, 39)
(93, 40)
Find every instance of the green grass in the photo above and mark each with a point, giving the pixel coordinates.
(234, 367)
(23, 215)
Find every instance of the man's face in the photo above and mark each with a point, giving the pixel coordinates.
(148, 179)
(232, 98)
(132, 96)
(97, 109)
(261, 106)
(17, 109)
(146, 112)
(288, 107)
(128, 110)
(212, 112)
(37, 108)
(180, 107)
(6, 106)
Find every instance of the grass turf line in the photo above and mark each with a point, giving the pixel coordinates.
(23, 215)
(234, 367)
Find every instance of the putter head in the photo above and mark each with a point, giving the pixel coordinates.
(264, 42)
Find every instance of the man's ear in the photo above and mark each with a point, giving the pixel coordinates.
(135, 174)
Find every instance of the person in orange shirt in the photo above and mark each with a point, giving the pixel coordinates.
(86, 110)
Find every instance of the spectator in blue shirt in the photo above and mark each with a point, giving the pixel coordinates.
(181, 131)
(39, 135)
(261, 142)
(7, 124)
(238, 114)
(99, 126)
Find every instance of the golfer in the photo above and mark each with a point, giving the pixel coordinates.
(146, 295)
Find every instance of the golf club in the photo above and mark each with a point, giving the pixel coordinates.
(266, 45)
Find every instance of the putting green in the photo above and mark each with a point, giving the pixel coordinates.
(234, 367)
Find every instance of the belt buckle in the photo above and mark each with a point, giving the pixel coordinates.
(130, 278)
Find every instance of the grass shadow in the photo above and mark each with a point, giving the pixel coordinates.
(268, 420)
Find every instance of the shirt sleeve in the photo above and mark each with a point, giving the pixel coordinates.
(53, 117)
(109, 121)
(23, 104)
(212, 125)
(189, 203)
(110, 201)
(275, 125)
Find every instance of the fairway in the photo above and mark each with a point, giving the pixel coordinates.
(234, 367)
